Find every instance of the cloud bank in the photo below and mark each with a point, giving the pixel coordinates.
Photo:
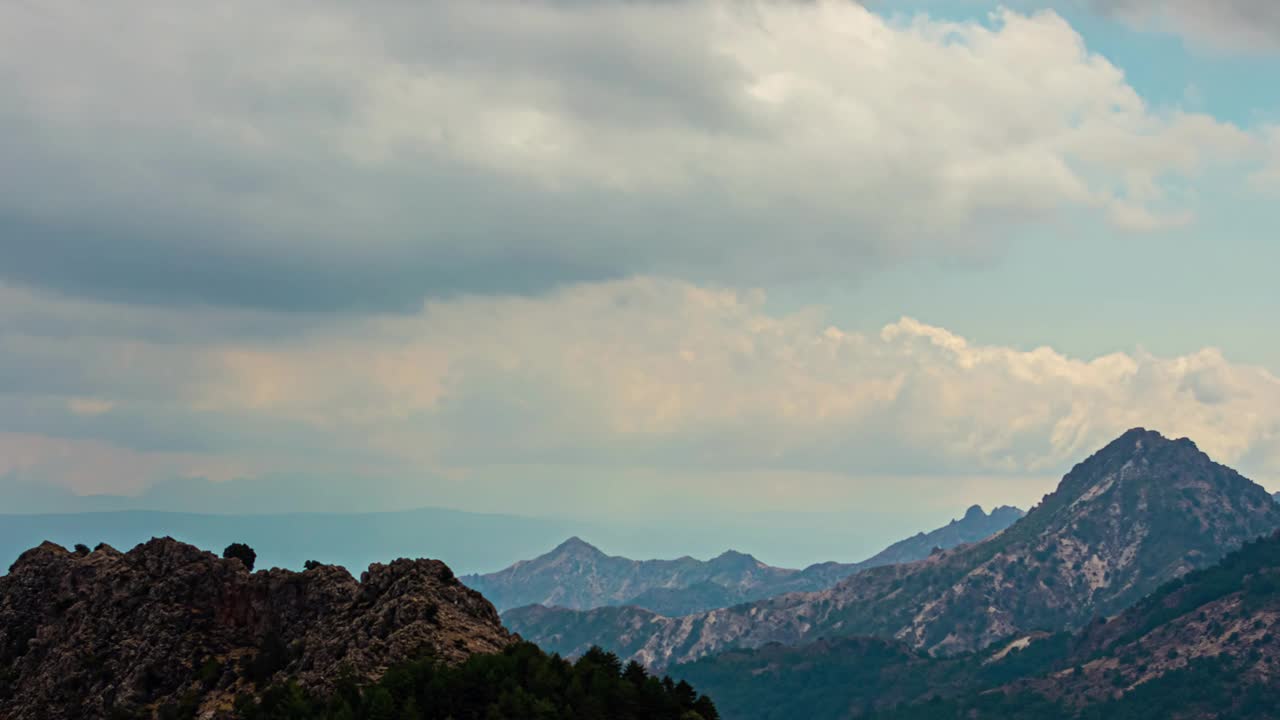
(503, 244)
(602, 378)
(319, 156)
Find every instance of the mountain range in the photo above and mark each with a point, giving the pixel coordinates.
(470, 542)
(1142, 511)
(1204, 645)
(577, 575)
(1147, 585)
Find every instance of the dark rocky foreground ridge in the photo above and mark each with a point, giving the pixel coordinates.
(92, 634)
(1142, 511)
(578, 576)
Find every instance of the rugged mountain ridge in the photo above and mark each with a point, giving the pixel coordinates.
(1138, 513)
(1204, 646)
(578, 576)
(89, 634)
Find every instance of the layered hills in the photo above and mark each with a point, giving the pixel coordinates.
(577, 575)
(1136, 514)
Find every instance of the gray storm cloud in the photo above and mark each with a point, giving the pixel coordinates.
(1230, 24)
(312, 156)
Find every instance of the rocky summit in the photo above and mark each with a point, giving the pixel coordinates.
(1143, 510)
(95, 634)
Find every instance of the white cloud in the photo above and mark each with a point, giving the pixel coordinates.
(92, 466)
(323, 155)
(661, 372)
(645, 373)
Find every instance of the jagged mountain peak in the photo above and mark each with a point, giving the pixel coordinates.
(1144, 464)
(975, 512)
(577, 546)
(734, 556)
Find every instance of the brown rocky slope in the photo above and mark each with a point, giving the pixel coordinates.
(105, 633)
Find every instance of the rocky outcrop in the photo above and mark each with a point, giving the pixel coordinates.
(89, 634)
(1141, 511)
(578, 576)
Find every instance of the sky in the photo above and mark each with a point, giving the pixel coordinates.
(632, 260)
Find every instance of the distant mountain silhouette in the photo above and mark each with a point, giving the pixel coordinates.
(1138, 513)
(577, 575)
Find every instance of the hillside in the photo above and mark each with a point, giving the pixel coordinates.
(577, 575)
(1143, 510)
(92, 633)
(1203, 646)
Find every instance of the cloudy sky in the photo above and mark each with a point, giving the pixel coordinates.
(602, 258)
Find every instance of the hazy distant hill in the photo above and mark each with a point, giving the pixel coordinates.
(1141, 511)
(578, 575)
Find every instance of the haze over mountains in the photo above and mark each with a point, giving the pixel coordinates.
(1141, 511)
(579, 576)
(294, 520)
(1121, 594)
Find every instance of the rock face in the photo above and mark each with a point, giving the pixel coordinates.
(1224, 620)
(103, 632)
(1142, 511)
(578, 576)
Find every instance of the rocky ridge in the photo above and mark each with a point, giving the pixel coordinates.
(92, 634)
(1143, 510)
